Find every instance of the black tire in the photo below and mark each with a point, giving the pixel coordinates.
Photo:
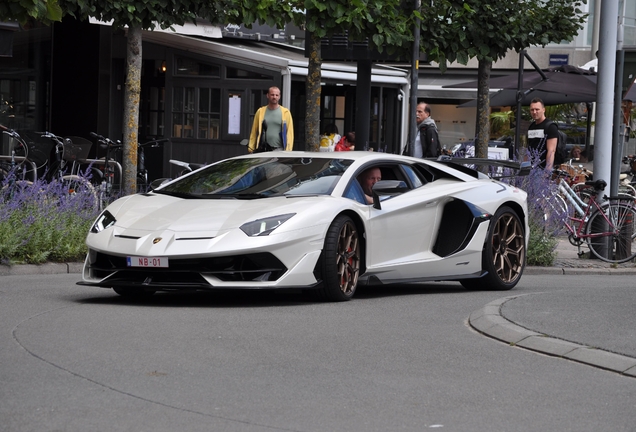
(133, 292)
(504, 255)
(621, 245)
(340, 261)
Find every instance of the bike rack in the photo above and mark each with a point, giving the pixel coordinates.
(102, 162)
(19, 159)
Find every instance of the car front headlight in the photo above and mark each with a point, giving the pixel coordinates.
(263, 227)
(104, 221)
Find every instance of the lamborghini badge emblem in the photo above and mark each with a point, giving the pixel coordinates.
(156, 240)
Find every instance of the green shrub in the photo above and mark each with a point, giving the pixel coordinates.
(43, 222)
(541, 246)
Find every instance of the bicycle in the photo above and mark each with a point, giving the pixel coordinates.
(578, 176)
(14, 158)
(24, 172)
(608, 227)
(630, 174)
(142, 171)
(71, 151)
(109, 186)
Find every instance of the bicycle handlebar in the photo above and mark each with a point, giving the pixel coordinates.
(118, 144)
(105, 142)
(154, 143)
(11, 132)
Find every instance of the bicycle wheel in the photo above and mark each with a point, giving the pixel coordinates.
(82, 189)
(555, 210)
(616, 224)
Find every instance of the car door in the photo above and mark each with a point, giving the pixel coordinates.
(398, 230)
(400, 236)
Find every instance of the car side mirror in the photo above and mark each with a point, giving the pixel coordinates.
(387, 188)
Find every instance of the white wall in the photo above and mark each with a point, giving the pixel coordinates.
(454, 124)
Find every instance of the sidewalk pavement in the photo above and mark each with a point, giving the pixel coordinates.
(569, 263)
(565, 320)
(501, 318)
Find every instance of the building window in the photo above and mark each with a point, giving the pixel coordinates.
(209, 114)
(151, 116)
(236, 73)
(196, 109)
(183, 112)
(333, 112)
(191, 67)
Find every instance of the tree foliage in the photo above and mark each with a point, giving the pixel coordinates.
(145, 14)
(383, 23)
(27, 12)
(386, 23)
(487, 30)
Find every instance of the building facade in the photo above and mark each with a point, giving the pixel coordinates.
(202, 85)
(200, 90)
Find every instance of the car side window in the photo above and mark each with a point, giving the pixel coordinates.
(354, 191)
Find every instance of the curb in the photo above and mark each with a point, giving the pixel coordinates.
(491, 323)
(579, 271)
(41, 269)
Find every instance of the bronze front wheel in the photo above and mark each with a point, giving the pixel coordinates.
(340, 260)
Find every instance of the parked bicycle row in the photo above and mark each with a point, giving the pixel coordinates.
(29, 156)
(606, 224)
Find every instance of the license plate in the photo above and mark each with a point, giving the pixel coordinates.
(134, 261)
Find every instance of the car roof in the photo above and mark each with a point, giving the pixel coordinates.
(365, 157)
(350, 155)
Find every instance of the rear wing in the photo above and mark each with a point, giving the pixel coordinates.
(497, 168)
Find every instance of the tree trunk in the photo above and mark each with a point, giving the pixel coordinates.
(131, 110)
(312, 114)
(483, 109)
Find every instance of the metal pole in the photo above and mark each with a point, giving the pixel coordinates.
(414, 81)
(617, 136)
(605, 97)
(516, 143)
(605, 90)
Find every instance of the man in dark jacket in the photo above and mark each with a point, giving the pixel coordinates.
(427, 140)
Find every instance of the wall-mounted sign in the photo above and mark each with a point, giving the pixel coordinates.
(559, 59)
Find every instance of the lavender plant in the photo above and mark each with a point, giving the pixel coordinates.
(547, 213)
(44, 221)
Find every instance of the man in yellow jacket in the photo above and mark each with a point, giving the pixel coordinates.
(275, 122)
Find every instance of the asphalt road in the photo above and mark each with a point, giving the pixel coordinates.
(403, 358)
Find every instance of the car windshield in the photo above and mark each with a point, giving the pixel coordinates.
(261, 177)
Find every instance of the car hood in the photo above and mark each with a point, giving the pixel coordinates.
(154, 212)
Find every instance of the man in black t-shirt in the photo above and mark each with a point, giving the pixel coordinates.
(542, 134)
